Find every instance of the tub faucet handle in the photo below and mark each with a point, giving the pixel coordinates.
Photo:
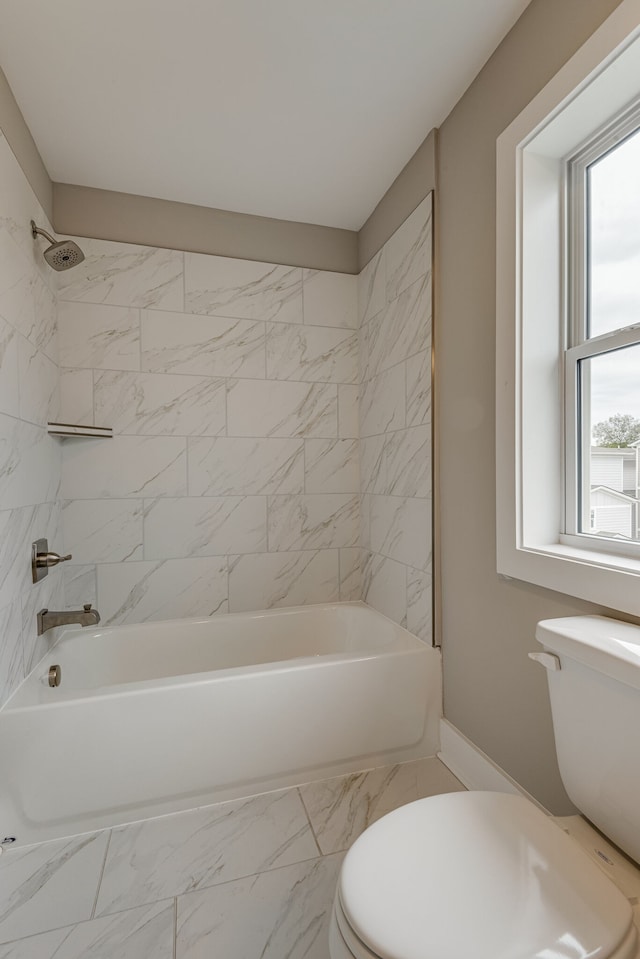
(51, 559)
(42, 559)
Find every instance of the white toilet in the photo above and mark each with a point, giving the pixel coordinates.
(481, 875)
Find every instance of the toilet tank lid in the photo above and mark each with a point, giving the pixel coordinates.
(605, 645)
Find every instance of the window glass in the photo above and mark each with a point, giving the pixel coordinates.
(610, 448)
(613, 191)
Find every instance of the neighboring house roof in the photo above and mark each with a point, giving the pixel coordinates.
(618, 495)
(629, 451)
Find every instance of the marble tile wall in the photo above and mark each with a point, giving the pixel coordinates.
(232, 479)
(29, 458)
(251, 878)
(237, 392)
(395, 302)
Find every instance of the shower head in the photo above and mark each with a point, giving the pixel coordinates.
(62, 254)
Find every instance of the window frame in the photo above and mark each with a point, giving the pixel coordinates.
(579, 345)
(531, 333)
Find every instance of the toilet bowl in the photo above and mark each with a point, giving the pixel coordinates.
(482, 875)
(489, 875)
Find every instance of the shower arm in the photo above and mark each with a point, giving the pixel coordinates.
(35, 230)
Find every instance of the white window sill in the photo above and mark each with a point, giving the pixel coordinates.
(600, 558)
(607, 580)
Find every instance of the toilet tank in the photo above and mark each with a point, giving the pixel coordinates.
(595, 703)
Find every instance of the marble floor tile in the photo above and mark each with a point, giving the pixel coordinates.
(282, 914)
(136, 934)
(341, 809)
(434, 778)
(166, 857)
(246, 873)
(49, 884)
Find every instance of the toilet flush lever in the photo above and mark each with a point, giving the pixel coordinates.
(548, 660)
(42, 559)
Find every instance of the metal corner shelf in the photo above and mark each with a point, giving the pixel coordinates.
(63, 430)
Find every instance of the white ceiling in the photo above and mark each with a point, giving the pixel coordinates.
(297, 109)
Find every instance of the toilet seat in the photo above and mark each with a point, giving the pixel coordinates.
(477, 874)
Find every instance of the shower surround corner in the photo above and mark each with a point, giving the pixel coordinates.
(272, 427)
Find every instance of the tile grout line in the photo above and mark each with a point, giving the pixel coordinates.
(175, 927)
(265, 348)
(216, 316)
(163, 371)
(267, 497)
(227, 882)
(187, 458)
(306, 812)
(83, 922)
(104, 864)
(184, 280)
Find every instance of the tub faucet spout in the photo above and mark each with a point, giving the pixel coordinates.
(48, 618)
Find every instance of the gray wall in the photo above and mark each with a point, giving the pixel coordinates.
(23, 146)
(415, 180)
(105, 215)
(492, 692)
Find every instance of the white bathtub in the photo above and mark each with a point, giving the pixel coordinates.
(160, 717)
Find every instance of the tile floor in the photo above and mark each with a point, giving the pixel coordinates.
(249, 879)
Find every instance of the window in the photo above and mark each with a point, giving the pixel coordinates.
(568, 326)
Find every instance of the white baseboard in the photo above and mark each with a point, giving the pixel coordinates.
(472, 767)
